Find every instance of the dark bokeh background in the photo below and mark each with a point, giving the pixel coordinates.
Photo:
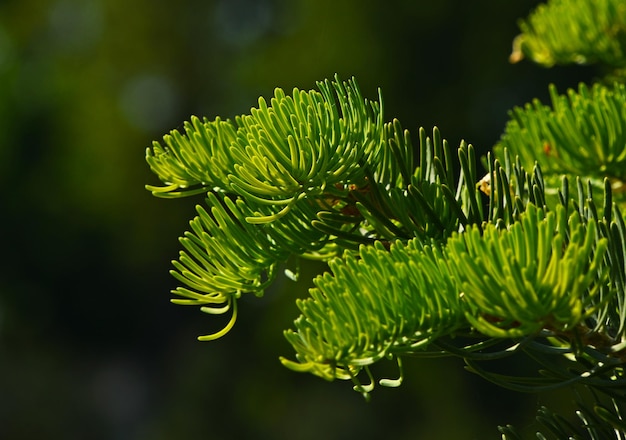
(90, 347)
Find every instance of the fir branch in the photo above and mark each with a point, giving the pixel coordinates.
(527, 277)
(602, 420)
(574, 31)
(294, 147)
(311, 175)
(541, 275)
(374, 307)
(582, 134)
(417, 266)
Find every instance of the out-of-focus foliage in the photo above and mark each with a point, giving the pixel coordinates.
(574, 31)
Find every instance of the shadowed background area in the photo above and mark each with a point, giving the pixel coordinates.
(90, 346)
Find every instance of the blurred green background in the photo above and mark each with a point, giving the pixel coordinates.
(90, 347)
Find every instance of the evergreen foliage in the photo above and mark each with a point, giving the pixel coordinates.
(574, 31)
(425, 257)
(582, 133)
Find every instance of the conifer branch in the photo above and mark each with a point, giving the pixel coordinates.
(582, 134)
(426, 258)
(311, 175)
(574, 31)
(545, 275)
